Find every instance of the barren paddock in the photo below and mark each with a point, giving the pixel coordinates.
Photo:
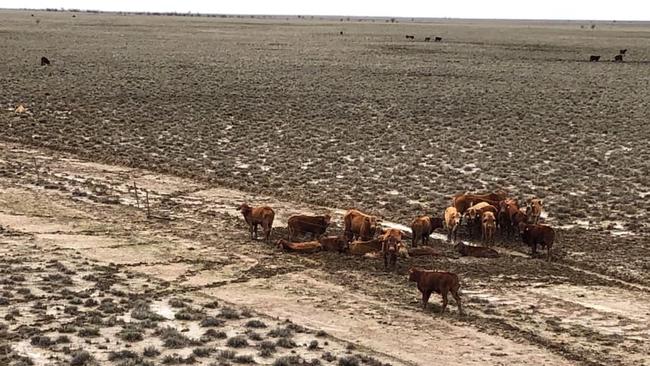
(205, 113)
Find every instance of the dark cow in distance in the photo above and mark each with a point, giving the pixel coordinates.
(439, 282)
(535, 234)
(359, 225)
(304, 224)
(594, 58)
(410, 37)
(258, 216)
(424, 226)
(618, 58)
(437, 39)
(45, 61)
(427, 39)
(622, 52)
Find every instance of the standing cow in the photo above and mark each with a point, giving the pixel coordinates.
(305, 224)
(440, 282)
(452, 222)
(488, 227)
(359, 225)
(533, 235)
(258, 216)
(424, 226)
(534, 210)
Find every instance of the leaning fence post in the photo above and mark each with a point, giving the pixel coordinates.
(146, 200)
(137, 198)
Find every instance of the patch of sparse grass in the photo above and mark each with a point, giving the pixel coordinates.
(188, 313)
(237, 341)
(321, 333)
(151, 351)
(176, 303)
(41, 341)
(141, 311)
(329, 357)
(280, 332)
(211, 321)
(62, 339)
(267, 349)
(291, 360)
(244, 359)
(246, 313)
(88, 332)
(172, 338)
(203, 351)
(254, 336)
(211, 305)
(178, 360)
(313, 345)
(82, 358)
(149, 324)
(227, 354)
(255, 323)
(90, 303)
(130, 334)
(348, 361)
(4, 301)
(285, 343)
(212, 334)
(67, 328)
(119, 355)
(371, 361)
(229, 313)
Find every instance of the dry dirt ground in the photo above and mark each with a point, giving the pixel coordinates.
(84, 268)
(205, 113)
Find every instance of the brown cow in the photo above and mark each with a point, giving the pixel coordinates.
(623, 51)
(359, 225)
(475, 251)
(304, 247)
(333, 243)
(424, 226)
(391, 241)
(503, 219)
(363, 247)
(618, 58)
(489, 226)
(533, 234)
(474, 214)
(452, 222)
(594, 58)
(439, 282)
(534, 210)
(303, 224)
(258, 216)
(464, 201)
(437, 39)
(45, 61)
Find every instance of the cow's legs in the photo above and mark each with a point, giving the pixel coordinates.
(454, 293)
(444, 301)
(425, 299)
(254, 231)
(251, 229)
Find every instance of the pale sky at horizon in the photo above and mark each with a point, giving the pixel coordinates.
(495, 9)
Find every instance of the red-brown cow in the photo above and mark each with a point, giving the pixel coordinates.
(534, 234)
(334, 243)
(439, 282)
(452, 222)
(258, 216)
(304, 247)
(534, 210)
(464, 201)
(424, 226)
(391, 241)
(303, 224)
(475, 251)
(359, 225)
(488, 226)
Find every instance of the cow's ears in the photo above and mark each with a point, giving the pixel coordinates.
(541, 202)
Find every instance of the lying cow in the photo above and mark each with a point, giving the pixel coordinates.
(363, 247)
(439, 282)
(475, 251)
(488, 227)
(258, 216)
(359, 225)
(304, 247)
(422, 227)
(535, 234)
(534, 210)
(304, 224)
(333, 243)
(452, 222)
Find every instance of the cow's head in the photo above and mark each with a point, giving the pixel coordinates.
(413, 274)
(327, 219)
(488, 218)
(244, 208)
(523, 228)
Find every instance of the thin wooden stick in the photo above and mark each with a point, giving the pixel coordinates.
(137, 198)
(146, 195)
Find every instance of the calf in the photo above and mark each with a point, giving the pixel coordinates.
(424, 226)
(304, 247)
(359, 225)
(534, 210)
(390, 245)
(452, 222)
(258, 216)
(303, 224)
(488, 227)
(439, 282)
(503, 219)
(475, 251)
(333, 243)
(534, 234)
(618, 58)
(45, 61)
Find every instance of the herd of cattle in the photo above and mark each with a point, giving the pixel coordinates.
(617, 58)
(482, 214)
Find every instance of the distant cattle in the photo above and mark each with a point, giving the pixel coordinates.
(452, 222)
(304, 247)
(258, 216)
(618, 58)
(44, 61)
(424, 226)
(534, 210)
(427, 39)
(410, 37)
(488, 227)
(341, 32)
(359, 225)
(442, 283)
(437, 39)
(363, 247)
(623, 51)
(533, 235)
(475, 251)
(423, 251)
(305, 224)
(594, 58)
(333, 243)
(464, 201)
